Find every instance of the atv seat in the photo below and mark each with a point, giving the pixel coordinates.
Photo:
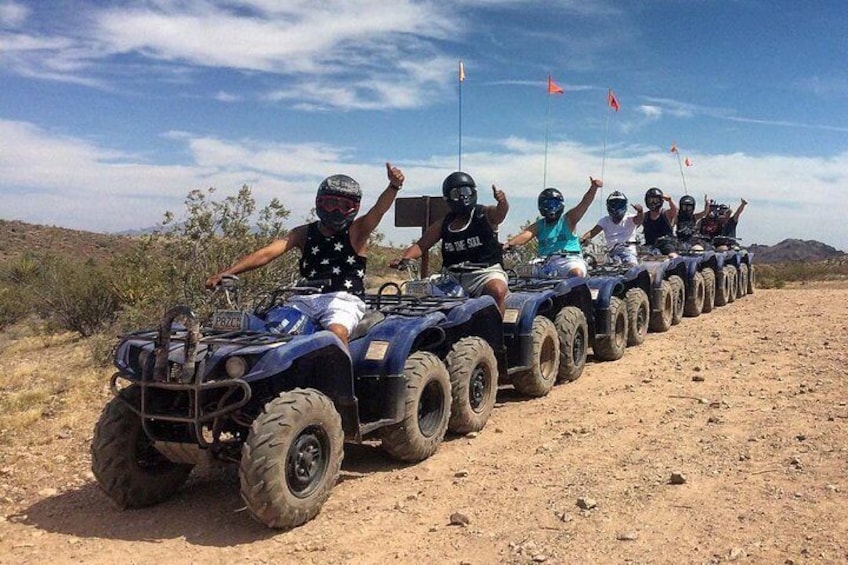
(368, 321)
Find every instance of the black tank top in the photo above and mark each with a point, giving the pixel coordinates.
(685, 228)
(654, 229)
(332, 257)
(476, 243)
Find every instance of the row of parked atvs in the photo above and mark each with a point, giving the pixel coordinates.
(268, 391)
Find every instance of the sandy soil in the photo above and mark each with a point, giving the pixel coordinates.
(748, 404)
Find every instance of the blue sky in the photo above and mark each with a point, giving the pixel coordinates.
(111, 112)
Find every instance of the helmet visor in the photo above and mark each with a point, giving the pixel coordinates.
(458, 193)
(550, 206)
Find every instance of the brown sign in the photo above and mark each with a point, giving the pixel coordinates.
(419, 211)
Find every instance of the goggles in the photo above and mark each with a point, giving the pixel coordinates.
(337, 204)
(550, 205)
(457, 193)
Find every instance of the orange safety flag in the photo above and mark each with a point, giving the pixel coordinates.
(461, 72)
(554, 88)
(613, 101)
(674, 148)
(687, 162)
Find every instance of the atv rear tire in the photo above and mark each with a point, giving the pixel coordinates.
(291, 458)
(742, 287)
(661, 318)
(539, 380)
(679, 293)
(709, 290)
(732, 277)
(722, 287)
(473, 371)
(426, 410)
(695, 299)
(610, 347)
(125, 463)
(573, 332)
(750, 279)
(638, 314)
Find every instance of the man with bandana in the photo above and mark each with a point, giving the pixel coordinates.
(333, 248)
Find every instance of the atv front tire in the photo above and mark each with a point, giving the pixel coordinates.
(678, 288)
(426, 410)
(573, 332)
(661, 317)
(539, 380)
(291, 459)
(638, 315)
(124, 461)
(695, 299)
(473, 371)
(610, 347)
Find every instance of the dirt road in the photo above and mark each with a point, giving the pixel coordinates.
(746, 406)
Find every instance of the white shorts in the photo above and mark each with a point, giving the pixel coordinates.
(624, 255)
(474, 282)
(342, 308)
(563, 265)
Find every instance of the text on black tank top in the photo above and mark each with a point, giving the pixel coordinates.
(477, 242)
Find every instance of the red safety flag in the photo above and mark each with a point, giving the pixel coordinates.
(687, 162)
(674, 148)
(461, 72)
(613, 101)
(554, 88)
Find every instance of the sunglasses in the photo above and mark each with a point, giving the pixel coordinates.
(337, 204)
(460, 192)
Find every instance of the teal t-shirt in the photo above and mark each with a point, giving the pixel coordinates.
(556, 238)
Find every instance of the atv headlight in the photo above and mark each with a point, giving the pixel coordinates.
(236, 367)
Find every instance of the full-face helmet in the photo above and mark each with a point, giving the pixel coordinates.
(551, 204)
(654, 199)
(616, 206)
(337, 201)
(687, 206)
(460, 192)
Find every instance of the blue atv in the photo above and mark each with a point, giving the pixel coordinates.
(471, 346)
(529, 331)
(273, 393)
(620, 296)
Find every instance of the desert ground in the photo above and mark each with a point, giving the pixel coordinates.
(724, 439)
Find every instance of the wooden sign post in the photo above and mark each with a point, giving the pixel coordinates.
(420, 211)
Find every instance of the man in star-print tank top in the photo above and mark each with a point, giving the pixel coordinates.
(333, 248)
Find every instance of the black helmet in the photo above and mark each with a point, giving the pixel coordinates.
(654, 199)
(687, 206)
(616, 206)
(337, 201)
(460, 192)
(551, 203)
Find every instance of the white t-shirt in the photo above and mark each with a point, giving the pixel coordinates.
(616, 233)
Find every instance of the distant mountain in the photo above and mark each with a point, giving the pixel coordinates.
(18, 238)
(794, 250)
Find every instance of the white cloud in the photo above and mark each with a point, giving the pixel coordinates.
(13, 14)
(650, 112)
(50, 178)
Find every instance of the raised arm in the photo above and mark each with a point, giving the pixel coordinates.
(294, 239)
(590, 234)
(702, 213)
(526, 235)
(640, 214)
(671, 213)
(576, 214)
(417, 249)
(363, 227)
(497, 214)
(739, 210)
